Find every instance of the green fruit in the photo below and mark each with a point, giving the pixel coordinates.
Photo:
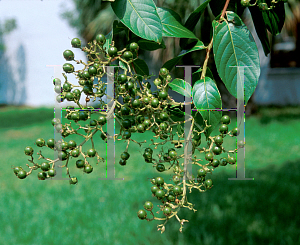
(176, 179)
(76, 43)
(100, 38)
(219, 140)
(40, 142)
(42, 175)
(160, 167)
(122, 162)
(125, 155)
(177, 190)
(235, 131)
(68, 55)
(148, 206)
(75, 116)
(68, 68)
(112, 51)
(125, 110)
(208, 183)
(136, 103)
(163, 95)
(28, 151)
(52, 172)
(133, 47)
(127, 55)
(122, 78)
(223, 129)
(140, 128)
(91, 152)
(83, 115)
(167, 211)
(149, 150)
(159, 181)
(225, 119)
(126, 134)
(154, 189)
(69, 96)
(223, 161)
(163, 116)
(72, 144)
(92, 71)
(147, 123)
(217, 150)
(142, 214)
(172, 154)
(88, 168)
(171, 198)
(163, 72)
(154, 102)
(73, 181)
(45, 166)
(22, 174)
(241, 144)
(245, 3)
(62, 155)
(80, 163)
(126, 123)
(75, 153)
(231, 160)
(159, 193)
(209, 156)
(102, 120)
(17, 169)
(201, 172)
(215, 163)
(50, 143)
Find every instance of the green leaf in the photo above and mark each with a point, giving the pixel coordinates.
(192, 21)
(171, 63)
(123, 65)
(197, 74)
(179, 85)
(233, 45)
(206, 98)
(199, 123)
(150, 45)
(180, 129)
(140, 67)
(109, 37)
(140, 17)
(261, 29)
(171, 24)
(274, 18)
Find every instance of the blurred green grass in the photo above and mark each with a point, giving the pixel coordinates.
(263, 211)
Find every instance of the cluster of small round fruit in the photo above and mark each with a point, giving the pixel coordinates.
(143, 110)
(173, 195)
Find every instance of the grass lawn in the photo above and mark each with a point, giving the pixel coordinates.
(263, 211)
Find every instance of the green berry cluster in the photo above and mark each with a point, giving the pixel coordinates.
(173, 196)
(142, 110)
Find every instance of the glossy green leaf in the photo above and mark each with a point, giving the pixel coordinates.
(261, 29)
(171, 63)
(123, 65)
(140, 17)
(233, 45)
(179, 85)
(206, 98)
(274, 18)
(171, 24)
(140, 67)
(192, 21)
(197, 74)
